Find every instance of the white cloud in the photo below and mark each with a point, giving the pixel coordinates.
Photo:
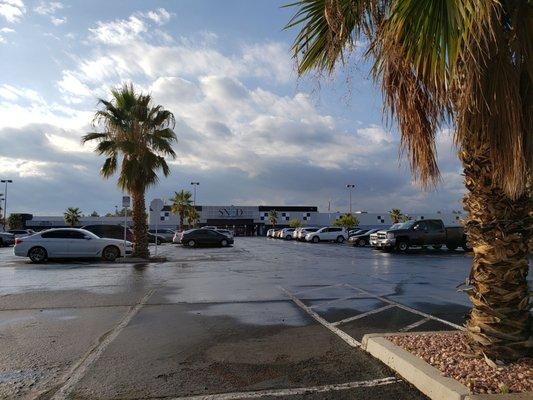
(58, 21)
(48, 7)
(12, 10)
(159, 16)
(71, 85)
(120, 31)
(7, 30)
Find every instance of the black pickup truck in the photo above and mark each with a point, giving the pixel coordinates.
(424, 232)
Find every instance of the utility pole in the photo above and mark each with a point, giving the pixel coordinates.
(350, 187)
(194, 185)
(5, 181)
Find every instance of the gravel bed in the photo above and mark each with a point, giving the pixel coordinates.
(449, 353)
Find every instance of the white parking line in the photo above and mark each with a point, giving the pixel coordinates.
(292, 392)
(414, 324)
(333, 301)
(318, 288)
(359, 316)
(406, 308)
(344, 336)
(78, 371)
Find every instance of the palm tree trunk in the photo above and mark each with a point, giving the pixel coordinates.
(140, 228)
(181, 221)
(499, 323)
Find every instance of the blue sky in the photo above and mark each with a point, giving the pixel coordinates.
(249, 129)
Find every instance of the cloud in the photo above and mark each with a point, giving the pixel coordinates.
(119, 31)
(159, 16)
(12, 10)
(58, 21)
(48, 7)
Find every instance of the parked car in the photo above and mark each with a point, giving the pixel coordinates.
(377, 237)
(226, 232)
(21, 232)
(331, 234)
(6, 239)
(276, 233)
(270, 233)
(152, 238)
(355, 232)
(304, 231)
(69, 243)
(109, 231)
(194, 237)
(362, 239)
(425, 232)
(295, 233)
(165, 233)
(286, 233)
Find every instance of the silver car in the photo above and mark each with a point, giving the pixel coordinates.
(6, 239)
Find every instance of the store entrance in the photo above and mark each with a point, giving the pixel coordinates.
(240, 227)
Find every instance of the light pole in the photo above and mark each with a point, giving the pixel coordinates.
(350, 187)
(6, 181)
(194, 184)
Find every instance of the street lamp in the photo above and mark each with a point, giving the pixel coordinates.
(194, 184)
(350, 187)
(5, 181)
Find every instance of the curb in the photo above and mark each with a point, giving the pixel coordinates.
(134, 260)
(426, 378)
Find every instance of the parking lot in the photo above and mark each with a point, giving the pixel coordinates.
(262, 319)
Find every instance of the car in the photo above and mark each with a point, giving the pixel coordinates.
(165, 233)
(195, 237)
(6, 239)
(362, 239)
(304, 231)
(286, 233)
(329, 233)
(70, 243)
(295, 233)
(21, 232)
(226, 232)
(109, 231)
(355, 232)
(270, 233)
(276, 233)
(156, 238)
(377, 237)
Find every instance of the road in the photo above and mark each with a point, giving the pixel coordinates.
(263, 319)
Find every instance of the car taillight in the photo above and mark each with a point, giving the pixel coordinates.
(18, 241)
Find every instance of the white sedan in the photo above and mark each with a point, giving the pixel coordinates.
(69, 243)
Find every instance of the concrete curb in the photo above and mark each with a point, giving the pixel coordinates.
(426, 378)
(134, 260)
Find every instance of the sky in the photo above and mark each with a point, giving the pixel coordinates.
(249, 129)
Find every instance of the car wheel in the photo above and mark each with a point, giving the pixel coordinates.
(223, 242)
(191, 243)
(288, 237)
(315, 239)
(466, 246)
(361, 242)
(451, 247)
(37, 254)
(402, 246)
(340, 239)
(1, 242)
(110, 253)
(437, 246)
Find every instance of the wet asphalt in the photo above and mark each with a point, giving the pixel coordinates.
(209, 321)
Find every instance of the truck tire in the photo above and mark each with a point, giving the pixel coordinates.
(451, 246)
(402, 245)
(437, 246)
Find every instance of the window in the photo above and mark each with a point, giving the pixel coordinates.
(434, 225)
(76, 235)
(421, 226)
(56, 235)
(335, 229)
(201, 232)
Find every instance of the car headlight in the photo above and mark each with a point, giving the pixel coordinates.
(390, 235)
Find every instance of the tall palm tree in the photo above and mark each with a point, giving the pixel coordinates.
(193, 216)
(138, 135)
(273, 217)
(465, 63)
(395, 215)
(181, 203)
(72, 216)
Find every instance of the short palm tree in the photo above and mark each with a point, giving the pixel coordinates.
(72, 216)
(138, 135)
(273, 217)
(465, 63)
(395, 215)
(347, 221)
(181, 203)
(193, 216)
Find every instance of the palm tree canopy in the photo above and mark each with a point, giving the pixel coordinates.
(136, 130)
(72, 215)
(181, 201)
(438, 62)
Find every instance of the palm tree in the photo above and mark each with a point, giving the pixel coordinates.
(295, 223)
(347, 221)
(395, 215)
(273, 217)
(466, 63)
(192, 216)
(181, 203)
(72, 216)
(140, 135)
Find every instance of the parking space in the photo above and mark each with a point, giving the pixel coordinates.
(262, 319)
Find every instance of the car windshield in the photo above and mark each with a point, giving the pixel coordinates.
(396, 226)
(408, 224)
